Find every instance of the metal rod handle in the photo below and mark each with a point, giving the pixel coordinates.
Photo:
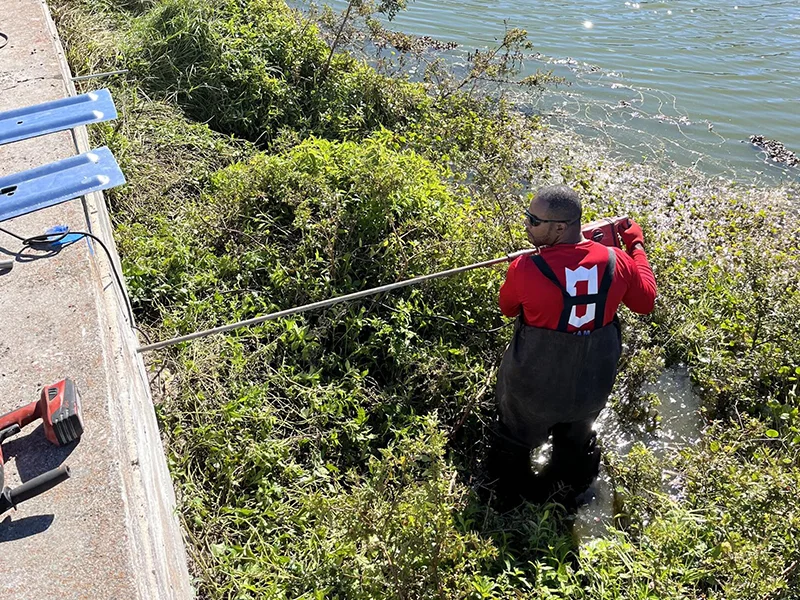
(332, 301)
(95, 75)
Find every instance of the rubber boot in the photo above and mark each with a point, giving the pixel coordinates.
(573, 468)
(509, 465)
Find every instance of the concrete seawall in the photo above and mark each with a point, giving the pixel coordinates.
(110, 531)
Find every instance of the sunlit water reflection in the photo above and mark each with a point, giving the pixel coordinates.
(680, 427)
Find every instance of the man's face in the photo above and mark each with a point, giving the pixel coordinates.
(543, 234)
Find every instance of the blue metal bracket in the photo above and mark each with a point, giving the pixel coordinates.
(56, 182)
(40, 119)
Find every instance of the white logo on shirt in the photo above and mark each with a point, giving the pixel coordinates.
(574, 276)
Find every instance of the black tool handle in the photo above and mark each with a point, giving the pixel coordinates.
(38, 485)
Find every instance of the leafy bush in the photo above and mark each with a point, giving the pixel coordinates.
(727, 511)
(254, 67)
(733, 304)
(165, 158)
(319, 222)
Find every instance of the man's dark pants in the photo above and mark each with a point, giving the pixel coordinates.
(573, 464)
(551, 383)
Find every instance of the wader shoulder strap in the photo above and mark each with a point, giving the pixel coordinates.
(605, 285)
(570, 301)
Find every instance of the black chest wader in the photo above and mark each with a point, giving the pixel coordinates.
(549, 377)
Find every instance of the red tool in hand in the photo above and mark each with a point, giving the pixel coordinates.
(604, 230)
(59, 408)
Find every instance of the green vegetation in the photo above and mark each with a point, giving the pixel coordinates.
(337, 454)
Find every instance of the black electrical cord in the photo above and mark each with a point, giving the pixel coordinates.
(4, 39)
(44, 241)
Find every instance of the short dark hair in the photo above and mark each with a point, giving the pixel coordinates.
(563, 201)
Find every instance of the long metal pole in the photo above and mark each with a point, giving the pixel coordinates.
(331, 301)
(95, 75)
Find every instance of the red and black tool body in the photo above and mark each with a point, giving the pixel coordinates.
(604, 230)
(59, 408)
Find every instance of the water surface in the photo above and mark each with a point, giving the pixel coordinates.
(682, 81)
(680, 426)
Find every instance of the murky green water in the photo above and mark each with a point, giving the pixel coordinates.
(684, 81)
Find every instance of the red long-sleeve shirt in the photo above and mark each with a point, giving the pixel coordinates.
(542, 302)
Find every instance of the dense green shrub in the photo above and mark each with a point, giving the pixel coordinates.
(733, 307)
(166, 159)
(326, 219)
(721, 525)
(254, 67)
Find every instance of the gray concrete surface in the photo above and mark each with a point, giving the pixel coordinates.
(110, 531)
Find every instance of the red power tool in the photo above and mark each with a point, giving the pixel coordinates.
(59, 407)
(605, 230)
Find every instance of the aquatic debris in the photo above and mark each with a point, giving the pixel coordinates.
(410, 43)
(775, 150)
(565, 61)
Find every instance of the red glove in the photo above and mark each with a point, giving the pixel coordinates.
(631, 233)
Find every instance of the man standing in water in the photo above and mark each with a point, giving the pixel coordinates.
(559, 369)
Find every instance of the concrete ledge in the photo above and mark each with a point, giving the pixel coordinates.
(111, 530)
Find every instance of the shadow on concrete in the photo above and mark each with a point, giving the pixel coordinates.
(26, 255)
(34, 455)
(29, 254)
(11, 530)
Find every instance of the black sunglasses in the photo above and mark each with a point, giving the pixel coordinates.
(536, 221)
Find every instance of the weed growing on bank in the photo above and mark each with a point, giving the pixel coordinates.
(338, 454)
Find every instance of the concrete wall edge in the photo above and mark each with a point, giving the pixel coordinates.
(155, 539)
